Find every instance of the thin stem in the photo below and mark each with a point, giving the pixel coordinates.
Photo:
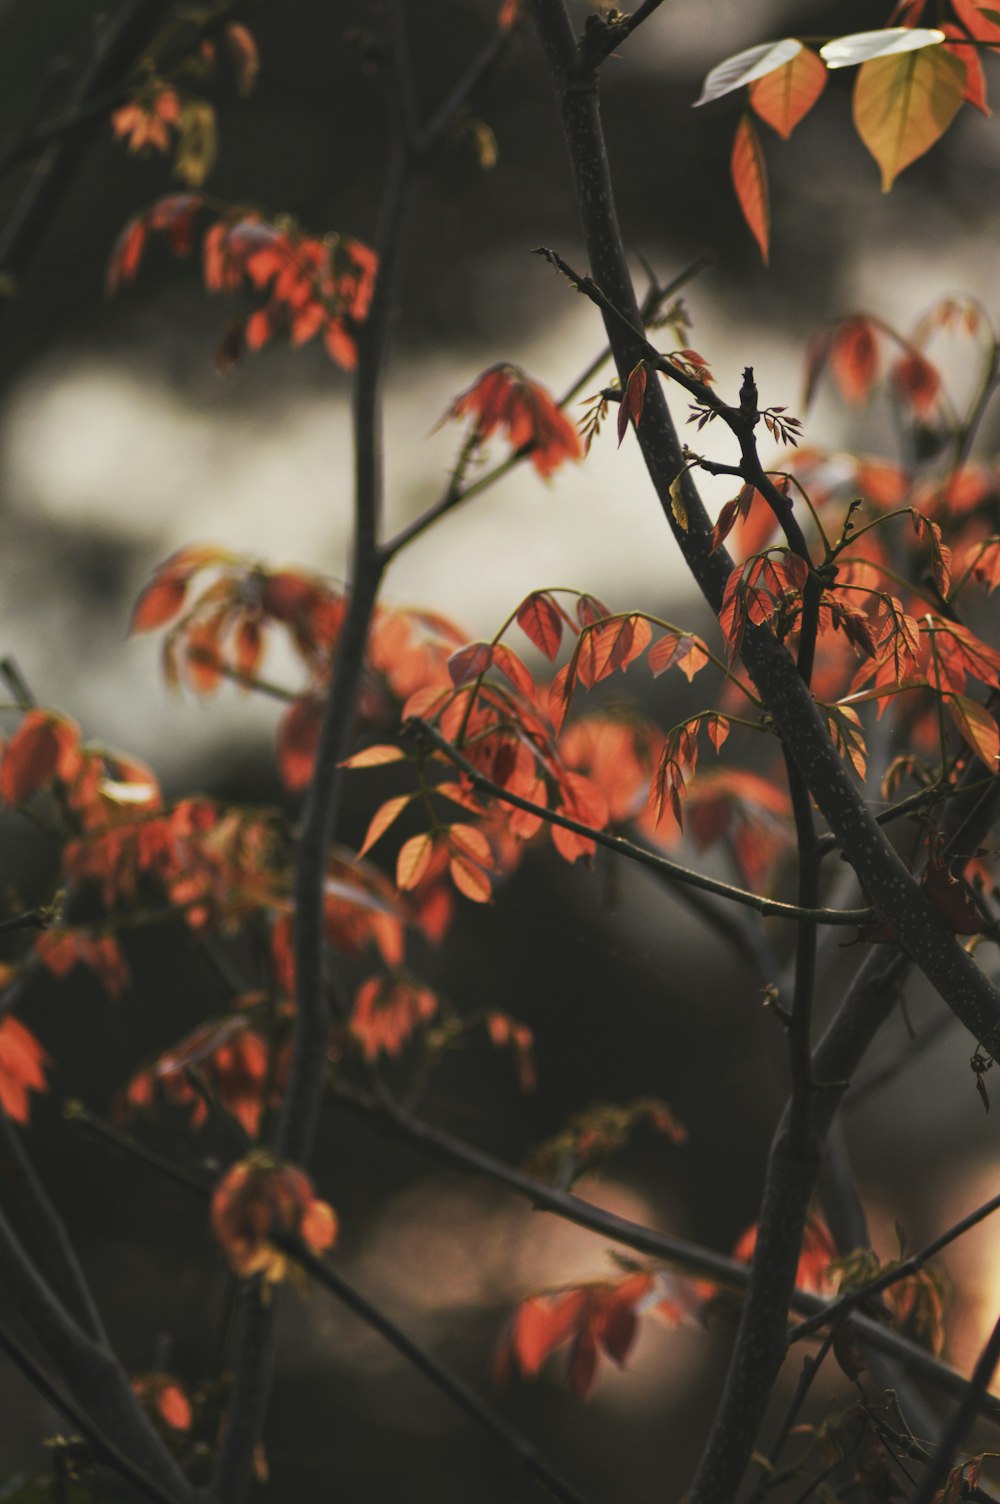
(94, 1377)
(441, 1377)
(52, 1245)
(123, 39)
(958, 1426)
(810, 1368)
(769, 907)
(445, 1147)
(455, 493)
(105, 1448)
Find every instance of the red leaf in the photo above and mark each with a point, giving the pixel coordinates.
(540, 618)
(680, 649)
(979, 23)
(583, 801)
(158, 603)
(975, 82)
(45, 746)
(854, 358)
(21, 1067)
(470, 662)
(609, 646)
(749, 175)
(382, 819)
(126, 255)
(507, 661)
(917, 383)
(633, 397)
(977, 727)
(785, 95)
(298, 738)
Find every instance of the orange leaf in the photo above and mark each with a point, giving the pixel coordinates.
(413, 860)
(749, 175)
(853, 354)
(977, 727)
(45, 746)
(980, 20)
(174, 1407)
(374, 757)
(917, 383)
(632, 400)
(904, 103)
(382, 819)
(507, 661)
(21, 1067)
(126, 255)
(470, 662)
(470, 881)
(540, 618)
(784, 97)
(158, 603)
(975, 82)
(260, 1195)
(680, 649)
(583, 801)
(298, 737)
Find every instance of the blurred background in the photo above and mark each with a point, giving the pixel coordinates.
(119, 442)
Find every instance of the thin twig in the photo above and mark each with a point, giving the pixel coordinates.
(443, 1378)
(727, 1273)
(768, 907)
(104, 1447)
(124, 37)
(961, 1420)
(852, 1299)
(52, 1245)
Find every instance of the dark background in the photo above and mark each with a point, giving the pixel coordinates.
(628, 995)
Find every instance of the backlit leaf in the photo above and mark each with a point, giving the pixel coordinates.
(785, 96)
(45, 746)
(633, 395)
(977, 727)
(470, 880)
(382, 819)
(980, 21)
(744, 67)
(470, 662)
(21, 1067)
(507, 661)
(904, 103)
(749, 175)
(853, 353)
(413, 860)
(540, 618)
(891, 41)
(374, 757)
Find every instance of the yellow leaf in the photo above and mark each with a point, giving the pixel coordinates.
(413, 860)
(789, 93)
(677, 504)
(903, 104)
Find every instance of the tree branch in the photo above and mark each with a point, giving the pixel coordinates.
(884, 878)
(96, 1381)
(123, 39)
(441, 1377)
(673, 871)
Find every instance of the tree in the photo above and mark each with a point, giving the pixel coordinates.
(851, 615)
